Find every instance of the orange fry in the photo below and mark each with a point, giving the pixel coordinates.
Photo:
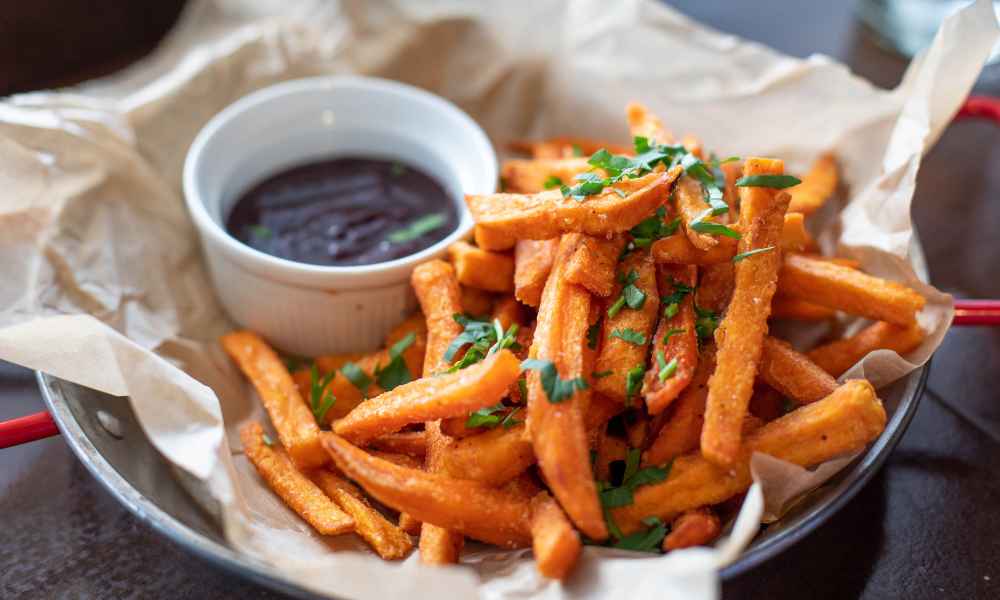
(677, 249)
(493, 457)
(593, 263)
(838, 356)
(600, 410)
(794, 236)
(795, 309)
(792, 373)
(532, 176)
(389, 541)
(475, 301)
(477, 268)
(643, 123)
(548, 214)
(566, 147)
(493, 241)
(818, 184)
(468, 507)
(396, 458)
(290, 415)
(294, 488)
(691, 206)
(843, 422)
(742, 330)
(557, 429)
(841, 288)
(411, 443)
(555, 543)
(682, 430)
(697, 527)
(675, 344)
(532, 263)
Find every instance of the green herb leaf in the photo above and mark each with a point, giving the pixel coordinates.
(653, 228)
(672, 332)
(320, 398)
(577, 150)
(601, 374)
(631, 463)
(644, 541)
(750, 253)
(522, 386)
(418, 228)
(485, 417)
(630, 335)
(615, 308)
(357, 376)
(556, 389)
(681, 289)
(509, 421)
(667, 369)
(634, 297)
(710, 227)
(396, 373)
(768, 181)
(617, 497)
(670, 311)
(261, 232)
(485, 338)
(552, 182)
(594, 333)
(633, 383)
(267, 440)
(706, 323)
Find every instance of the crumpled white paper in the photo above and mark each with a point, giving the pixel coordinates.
(103, 282)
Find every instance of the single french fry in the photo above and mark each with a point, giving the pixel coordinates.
(838, 356)
(476, 301)
(555, 543)
(468, 507)
(294, 488)
(291, 416)
(493, 241)
(411, 443)
(794, 236)
(841, 288)
(742, 330)
(682, 430)
(792, 373)
(412, 526)
(532, 176)
(566, 147)
(619, 355)
(451, 395)
(493, 457)
(698, 527)
(843, 422)
(548, 214)
(675, 343)
(796, 309)
(643, 123)
(678, 250)
(715, 286)
(532, 263)
(690, 206)
(557, 430)
(817, 185)
(388, 540)
(593, 263)
(474, 267)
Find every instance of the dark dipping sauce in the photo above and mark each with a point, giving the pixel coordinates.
(344, 212)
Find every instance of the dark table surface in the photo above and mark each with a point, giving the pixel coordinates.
(927, 526)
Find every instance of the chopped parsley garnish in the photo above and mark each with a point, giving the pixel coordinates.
(261, 232)
(396, 373)
(672, 302)
(631, 295)
(644, 541)
(750, 253)
(670, 310)
(577, 150)
(667, 369)
(556, 389)
(706, 322)
(700, 225)
(594, 333)
(633, 383)
(486, 338)
(671, 333)
(601, 374)
(417, 228)
(320, 398)
(357, 376)
(488, 417)
(629, 335)
(623, 495)
(552, 182)
(615, 308)
(653, 228)
(267, 440)
(522, 386)
(769, 181)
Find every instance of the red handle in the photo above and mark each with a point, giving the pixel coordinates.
(27, 429)
(977, 312)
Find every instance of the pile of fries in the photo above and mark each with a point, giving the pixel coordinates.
(596, 368)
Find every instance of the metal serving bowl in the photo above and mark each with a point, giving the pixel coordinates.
(123, 460)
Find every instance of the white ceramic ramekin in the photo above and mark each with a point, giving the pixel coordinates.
(309, 309)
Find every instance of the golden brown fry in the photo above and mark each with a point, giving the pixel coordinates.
(818, 184)
(493, 241)
(691, 207)
(843, 422)
(555, 543)
(493, 457)
(548, 214)
(532, 263)
(675, 344)
(682, 430)
(474, 267)
(792, 373)
(698, 527)
(566, 147)
(643, 123)
(294, 488)
(841, 288)
(742, 330)
(476, 301)
(557, 430)
(678, 249)
(413, 527)
(531, 176)
(412, 443)
(794, 236)
(389, 541)
(593, 263)
(460, 505)
(616, 354)
(795, 309)
(291, 416)
(451, 395)
(838, 356)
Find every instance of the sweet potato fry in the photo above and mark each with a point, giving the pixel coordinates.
(493, 457)
(593, 263)
(643, 123)
(794, 236)
(691, 206)
(625, 335)
(682, 430)
(792, 373)
(548, 214)
(566, 147)
(290, 415)
(557, 429)
(742, 330)
(838, 356)
(294, 488)
(532, 176)
(817, 185)
(460, 505)
(413, 527)
(493, 241)
(843, 422)
(732, 170)
(480, 385)
(389, 541)
(697, 527)
(508, 311)
(476, 301)
(532, 263)
(796, 309)
(477, 268)
(828, 284)
(411, 443)
(678, 249)
(555, 543)
(675, 344)
(715, 286)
